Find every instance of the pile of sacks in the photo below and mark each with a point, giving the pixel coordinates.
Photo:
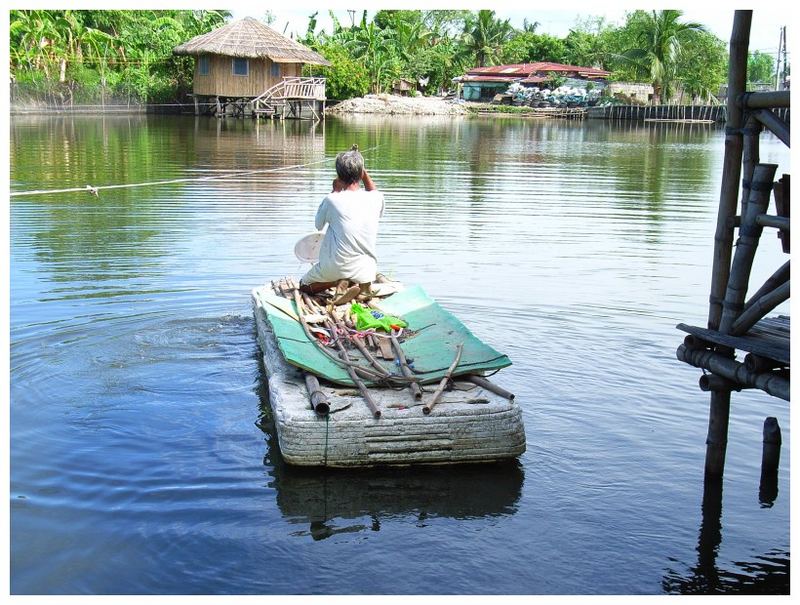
(563, 96)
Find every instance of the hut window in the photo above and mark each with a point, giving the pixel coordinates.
(240, 67)
(275, 70)
(202, 65)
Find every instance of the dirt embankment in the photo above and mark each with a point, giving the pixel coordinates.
(394, 104)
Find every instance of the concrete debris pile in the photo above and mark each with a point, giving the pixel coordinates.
(394, 104)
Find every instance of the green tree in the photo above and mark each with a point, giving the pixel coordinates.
(658, 37)
(702, 67)
(760, 68)
(484, 35)
(529, 47)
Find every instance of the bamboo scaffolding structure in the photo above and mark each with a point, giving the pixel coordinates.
(749, 234)
(426, 409)
(731, 369)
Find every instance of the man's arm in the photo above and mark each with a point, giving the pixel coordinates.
(369, 185)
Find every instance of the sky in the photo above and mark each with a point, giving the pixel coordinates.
(764, 34)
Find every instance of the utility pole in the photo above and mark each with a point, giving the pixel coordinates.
(778, 61)
(780, 74)
(785, 52)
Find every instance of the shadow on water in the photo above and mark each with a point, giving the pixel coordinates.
(766, 574)
(335, 501)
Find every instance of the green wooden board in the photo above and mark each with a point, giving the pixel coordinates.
(432, 348)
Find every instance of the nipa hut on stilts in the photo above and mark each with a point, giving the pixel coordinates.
(247, 68)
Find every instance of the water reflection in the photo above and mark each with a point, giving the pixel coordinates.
(336, 501)
(765, 574)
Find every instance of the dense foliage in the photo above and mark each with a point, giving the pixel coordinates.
(89, 56)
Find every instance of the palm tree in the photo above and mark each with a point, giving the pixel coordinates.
(484, 35)
(368, 42)
(659, 35)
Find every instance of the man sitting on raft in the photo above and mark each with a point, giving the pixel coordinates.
(347, 259)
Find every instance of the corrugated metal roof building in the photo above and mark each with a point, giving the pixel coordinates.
(485, 82)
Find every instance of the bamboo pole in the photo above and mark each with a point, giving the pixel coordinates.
(490, 386)
(426, 409)
(731, 369)
(758, 363)
(354, 377)
(750, 157)
(776, 279)
(365, 352)
(765, 100)
(415, 390)
(731, 169)
(778, 222)
(712, 382)
(719, 411)
(770, 460)
(777, 126)
(760, 308)
(749, 234)
(319, 401)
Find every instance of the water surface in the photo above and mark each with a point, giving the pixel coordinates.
(142, 459)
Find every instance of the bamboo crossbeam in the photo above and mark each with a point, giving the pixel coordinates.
(712, 382)
(426, 409)
(757, 363)
(777, 126)
(732, 164)
(770, 220)
(765, 100)
(776, 279)
(731, 369)
(760, 308)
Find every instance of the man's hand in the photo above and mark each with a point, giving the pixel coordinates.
(338, 185)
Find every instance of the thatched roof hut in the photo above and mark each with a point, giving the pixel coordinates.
(244, 58)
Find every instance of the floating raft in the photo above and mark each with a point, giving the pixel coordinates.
(412, 418)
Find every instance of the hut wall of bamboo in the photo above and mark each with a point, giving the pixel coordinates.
(221, 81)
